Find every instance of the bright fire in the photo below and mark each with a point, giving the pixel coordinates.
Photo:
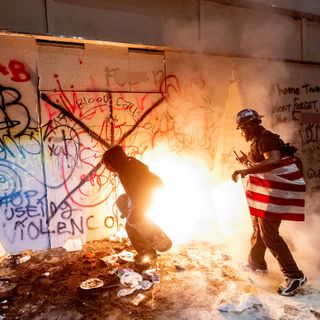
(188, 208)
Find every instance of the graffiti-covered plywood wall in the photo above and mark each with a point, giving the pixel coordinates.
(52, 186)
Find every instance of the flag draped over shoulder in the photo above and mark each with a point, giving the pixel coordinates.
(279, 193)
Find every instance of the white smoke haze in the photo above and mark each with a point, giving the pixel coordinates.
(269, 36)
(303, 238)
(184, 36)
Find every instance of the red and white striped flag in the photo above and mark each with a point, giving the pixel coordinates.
(279, 193)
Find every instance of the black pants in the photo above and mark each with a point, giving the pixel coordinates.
(266, 235)
(142, 234)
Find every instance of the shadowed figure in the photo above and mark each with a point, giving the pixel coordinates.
(140, 185)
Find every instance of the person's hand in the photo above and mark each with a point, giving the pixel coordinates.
(236, 173)
(243, 159)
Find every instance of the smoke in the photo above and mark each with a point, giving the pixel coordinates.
(266, 39)
(303, 238)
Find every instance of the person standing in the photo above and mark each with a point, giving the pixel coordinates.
(275, 192)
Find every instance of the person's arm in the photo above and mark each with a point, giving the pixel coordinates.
(272, 159)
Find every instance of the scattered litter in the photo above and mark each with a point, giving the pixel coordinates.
(118, 237)
(92, 283)
(125, 292)
(248, 302)
(110, 259)
(126, 256)
(130, 279)
(145, 284)
(73, 244)
(150, 275)
(46, 274)
(227, 307)
(113, 271)
(122, 271)
(155, 278)
(23, 259)
(137, 299)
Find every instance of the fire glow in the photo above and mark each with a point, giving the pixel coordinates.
(189, 208)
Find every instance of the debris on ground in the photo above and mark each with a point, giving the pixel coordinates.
(102, 281)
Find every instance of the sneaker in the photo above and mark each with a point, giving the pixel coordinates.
(250, 267)
(289, 285)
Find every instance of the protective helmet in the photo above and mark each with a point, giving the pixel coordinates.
(246, 116)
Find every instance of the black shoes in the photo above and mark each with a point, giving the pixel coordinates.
(289, 285)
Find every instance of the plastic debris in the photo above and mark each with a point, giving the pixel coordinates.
(126, 256)
(247, 302)
(155, 278)
(23, 259)
(113, 271)
(138, 299)
(145, 284)
(110, 259)
(73, 244)
(92, 283)
(46, 274)
(130, 279)
(125, 292)
(150, 275)
(118, 237)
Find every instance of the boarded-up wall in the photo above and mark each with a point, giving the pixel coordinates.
(45, 155)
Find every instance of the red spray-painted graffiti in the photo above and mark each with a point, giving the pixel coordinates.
(18, 71)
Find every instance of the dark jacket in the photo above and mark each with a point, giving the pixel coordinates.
(138, 182)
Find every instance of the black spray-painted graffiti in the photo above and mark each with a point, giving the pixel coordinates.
(97, 138)
(300, 104)
(14, 115)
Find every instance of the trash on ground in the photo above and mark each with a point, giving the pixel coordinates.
(130, 279)
(137, 299)
(92, 283)
(145, 285)
(126, 256)
(110, 259)
(150, 275)
(46, 274)
(247, 302)
(23, 259)
(125, 292)
(73, 244)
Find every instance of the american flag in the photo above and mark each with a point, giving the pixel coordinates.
(279, 193)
